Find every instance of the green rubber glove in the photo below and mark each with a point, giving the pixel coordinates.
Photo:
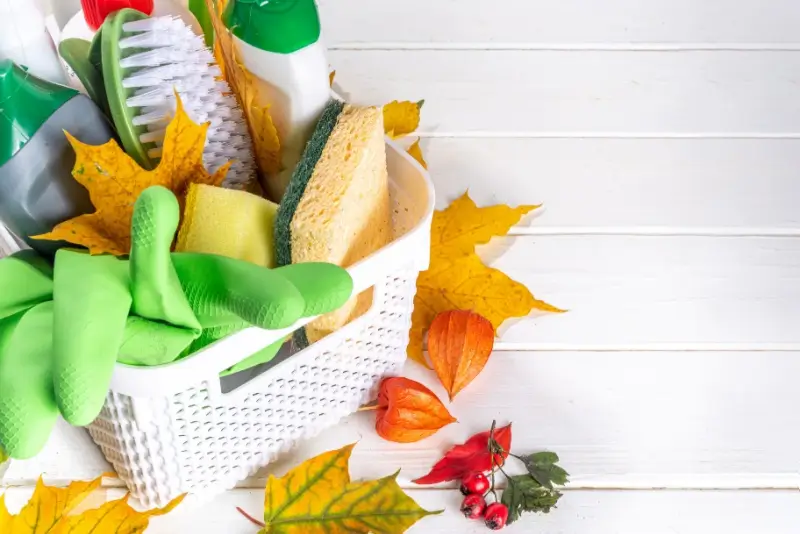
(25, 281)
(92, 301)
(156, 290)
(28, 408)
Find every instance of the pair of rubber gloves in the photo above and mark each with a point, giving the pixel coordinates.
(63, 329)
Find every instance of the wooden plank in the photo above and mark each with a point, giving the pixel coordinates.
(545, 22)
(618, 420)
(638, 184)
(582, 94)
(599, 512)
(655, 292)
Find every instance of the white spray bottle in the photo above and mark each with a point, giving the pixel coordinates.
(25, 40)
(280, 43)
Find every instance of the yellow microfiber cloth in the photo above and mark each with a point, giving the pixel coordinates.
(230, 223)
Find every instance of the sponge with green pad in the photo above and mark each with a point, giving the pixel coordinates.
(336, 208)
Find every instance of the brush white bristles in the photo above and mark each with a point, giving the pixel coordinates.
(167, 57)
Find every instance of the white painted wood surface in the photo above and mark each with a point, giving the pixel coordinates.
(663, 138)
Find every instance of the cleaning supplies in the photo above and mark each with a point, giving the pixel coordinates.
(96, 11)
(37, 190)
(27, 404)
(200, 11)
(279, 43)
(235, 224)
(144, 62)
(61, 330)
(24, 39)
(336, 208)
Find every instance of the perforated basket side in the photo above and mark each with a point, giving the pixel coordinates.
(199, 443)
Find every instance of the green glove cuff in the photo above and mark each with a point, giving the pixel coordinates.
(92, 300)
(28, 408)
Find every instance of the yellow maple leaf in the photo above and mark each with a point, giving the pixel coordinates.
(458, 279)
(401, 118)
(416, 152)
(48, 512)
(114, 181)
(317, 497)
(266, 143)
(113, 517)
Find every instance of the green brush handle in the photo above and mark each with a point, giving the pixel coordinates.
(92, 300)
(28, 408)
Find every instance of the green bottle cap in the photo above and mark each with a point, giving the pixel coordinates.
(26, 102)
(280, 26)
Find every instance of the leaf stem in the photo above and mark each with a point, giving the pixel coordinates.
(491, 457)
(250, 518)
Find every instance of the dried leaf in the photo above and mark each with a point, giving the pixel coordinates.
(459, 343)
(115, 517)
(416, 152)
(333, 77)
(46, 507)
(458, 279)
(401, 118)
(114, 181)
(266, 143)
(524, 494)
(47, 512)
(317, 497)
(543, 469)
(408, 411)
(471, 457)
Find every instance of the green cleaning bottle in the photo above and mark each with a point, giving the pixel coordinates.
(280, 43)
(37, 190)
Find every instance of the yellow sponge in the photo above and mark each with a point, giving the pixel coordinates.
(230, 223)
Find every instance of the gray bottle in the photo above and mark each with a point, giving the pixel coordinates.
(37, 190)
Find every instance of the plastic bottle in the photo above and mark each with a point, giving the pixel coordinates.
(37, 190)
(280, 44)
(24, 39)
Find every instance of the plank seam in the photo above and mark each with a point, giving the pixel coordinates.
(654, 231)
(485, 134)
(400, 46)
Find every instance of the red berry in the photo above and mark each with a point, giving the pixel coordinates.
(475, 483)
(496, 516)
(473, 506)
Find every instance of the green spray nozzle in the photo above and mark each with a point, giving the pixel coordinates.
(279, 26)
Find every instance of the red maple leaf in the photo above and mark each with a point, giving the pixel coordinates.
(471, 457)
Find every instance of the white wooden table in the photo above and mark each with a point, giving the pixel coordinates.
(664, 138)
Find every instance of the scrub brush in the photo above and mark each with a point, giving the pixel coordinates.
(144, 62)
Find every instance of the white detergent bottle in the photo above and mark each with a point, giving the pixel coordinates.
(25, 40)
(279, 42)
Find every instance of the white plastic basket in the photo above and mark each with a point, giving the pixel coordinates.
(179, 428)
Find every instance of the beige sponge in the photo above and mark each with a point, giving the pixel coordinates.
(344, 213)
(230, 223)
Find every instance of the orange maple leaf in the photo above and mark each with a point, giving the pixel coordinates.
(48, 511)
(457, 279)
(114, 181)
